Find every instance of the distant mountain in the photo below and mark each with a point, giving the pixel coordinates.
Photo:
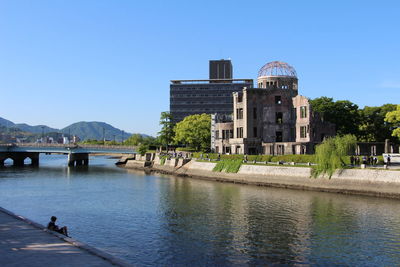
(94, 130)
(85, 130)
(35, 129)
(6, 123)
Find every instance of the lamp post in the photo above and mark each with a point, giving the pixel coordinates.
(42, 134)
(104, 136)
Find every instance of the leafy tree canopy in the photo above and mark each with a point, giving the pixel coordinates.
(394, 118)
(343, 113)
(195, 131)
(372, 125)
(137, 139)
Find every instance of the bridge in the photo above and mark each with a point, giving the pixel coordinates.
(77, 154)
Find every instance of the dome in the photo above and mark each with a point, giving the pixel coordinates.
(277, 68)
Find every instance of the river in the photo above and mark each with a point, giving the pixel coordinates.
(155, 220)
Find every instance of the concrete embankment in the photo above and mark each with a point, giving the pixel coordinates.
(372, 182)
(26, 243)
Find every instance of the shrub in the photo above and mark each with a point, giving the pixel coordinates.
(143, 149)
(219, 166)
(231, 166)
(162, 160)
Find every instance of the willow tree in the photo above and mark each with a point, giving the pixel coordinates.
(330, 155)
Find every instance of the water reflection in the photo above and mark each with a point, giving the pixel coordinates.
(162, 220)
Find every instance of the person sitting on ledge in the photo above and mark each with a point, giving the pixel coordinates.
(53, 227)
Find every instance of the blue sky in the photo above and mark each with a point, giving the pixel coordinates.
(68, 61)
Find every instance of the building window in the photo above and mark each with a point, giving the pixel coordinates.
(239, 132)
(303, 131)
(278, 99)
(216, 149)
(239, 113)
(240, 98)
(217, 134)
(279, 117)
(226, 134)
(255, 131)
(303, 112)
(278, 137)
(254, 113)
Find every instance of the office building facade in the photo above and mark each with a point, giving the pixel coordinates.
(189, 97)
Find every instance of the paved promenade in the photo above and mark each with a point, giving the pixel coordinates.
(24, 243)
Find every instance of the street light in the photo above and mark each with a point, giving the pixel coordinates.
(104, 136)
(42, 134)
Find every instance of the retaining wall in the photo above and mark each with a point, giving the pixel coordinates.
(353, 181)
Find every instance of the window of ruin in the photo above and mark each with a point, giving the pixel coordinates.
(303, 112)
(239, 113)
(230, 133)
(278, 137)
(239, 132)
(279, 117)
(303, 131)
(217, 134)
(226, 134)
(278, 99)
(240, 98)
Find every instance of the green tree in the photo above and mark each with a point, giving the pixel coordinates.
(329, 155)
(394, 118)
(167, 134)
(143, 149)
(373, 127)
(134, 140)
(195, 131)
(343, 113)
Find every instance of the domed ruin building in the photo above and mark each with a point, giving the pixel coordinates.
(271, 119)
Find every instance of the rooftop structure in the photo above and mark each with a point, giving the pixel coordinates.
(221, 69)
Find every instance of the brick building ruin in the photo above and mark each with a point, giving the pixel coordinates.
(271, 119)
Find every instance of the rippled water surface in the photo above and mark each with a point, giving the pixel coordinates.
(154, 220)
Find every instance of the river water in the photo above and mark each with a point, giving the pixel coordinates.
(154, 220)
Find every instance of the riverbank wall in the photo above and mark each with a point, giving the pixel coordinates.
(371, 182)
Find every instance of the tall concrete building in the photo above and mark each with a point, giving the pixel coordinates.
(189, 97)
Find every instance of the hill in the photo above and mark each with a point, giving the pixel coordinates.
(94, 130)
(85, 130)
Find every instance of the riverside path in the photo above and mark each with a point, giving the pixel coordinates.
(25, 243)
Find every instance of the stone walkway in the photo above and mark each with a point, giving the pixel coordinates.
(25, 243)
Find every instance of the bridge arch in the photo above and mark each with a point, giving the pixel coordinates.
(28, 161)
(6, 161)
